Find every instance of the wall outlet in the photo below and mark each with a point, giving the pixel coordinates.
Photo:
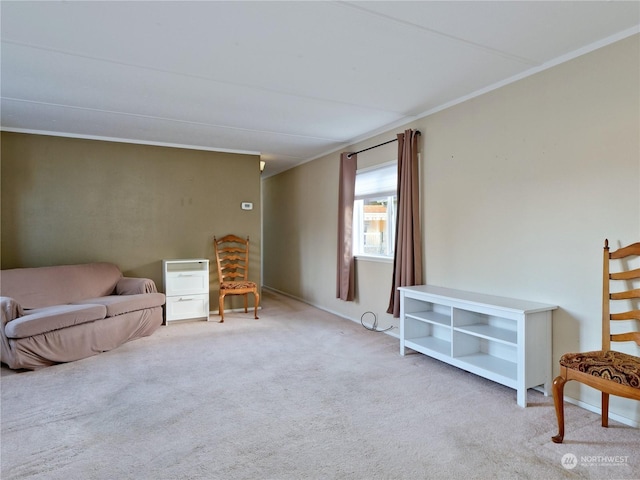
(247, 206)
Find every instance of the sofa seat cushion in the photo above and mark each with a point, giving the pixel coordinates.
(42, 320)
(119, 304)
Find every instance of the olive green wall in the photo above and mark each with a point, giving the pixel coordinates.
(67, 201)
(520, 187)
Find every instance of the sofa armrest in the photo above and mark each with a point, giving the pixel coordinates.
(134, 286)
(10, 310)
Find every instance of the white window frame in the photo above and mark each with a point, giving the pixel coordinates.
(377, 182)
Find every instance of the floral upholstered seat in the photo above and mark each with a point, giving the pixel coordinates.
(237, 285)
(609, 365)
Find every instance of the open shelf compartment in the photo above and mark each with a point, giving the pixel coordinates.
(495, 358)
(496, 369)
(427, 312)
(489, 327)
(429, 343)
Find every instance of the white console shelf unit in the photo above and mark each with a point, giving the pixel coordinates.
(186, 285)
(502, 339)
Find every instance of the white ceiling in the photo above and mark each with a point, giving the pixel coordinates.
(289, 80)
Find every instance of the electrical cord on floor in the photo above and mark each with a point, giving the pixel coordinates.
(374, 327)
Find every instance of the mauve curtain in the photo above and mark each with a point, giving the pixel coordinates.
(345, 284)
(407, 260)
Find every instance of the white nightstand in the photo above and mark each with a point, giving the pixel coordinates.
(186, 285)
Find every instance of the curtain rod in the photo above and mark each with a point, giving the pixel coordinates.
(379, 145)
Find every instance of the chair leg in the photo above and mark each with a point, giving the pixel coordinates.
(221, 308)
(246, 303)
(605, 409)
(256, 299)
(558, 400)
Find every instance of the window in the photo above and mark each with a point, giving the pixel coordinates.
(374, 211)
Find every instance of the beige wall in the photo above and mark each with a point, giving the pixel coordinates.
(520, 188)
(71, 201)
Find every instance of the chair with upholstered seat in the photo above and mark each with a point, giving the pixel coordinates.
(232, 258)
(610, 371)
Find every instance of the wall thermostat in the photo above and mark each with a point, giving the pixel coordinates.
(247, 206)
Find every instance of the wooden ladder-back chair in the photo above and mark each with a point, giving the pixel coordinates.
(232, 258)
(610, 371)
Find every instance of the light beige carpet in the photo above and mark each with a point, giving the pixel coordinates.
(298, 394)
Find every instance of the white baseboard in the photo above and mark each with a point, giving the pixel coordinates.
(233, 310)
(598, 410)
(324, 309)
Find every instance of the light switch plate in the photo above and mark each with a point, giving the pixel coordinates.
(247, 206)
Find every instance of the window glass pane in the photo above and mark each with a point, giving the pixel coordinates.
(374, 211)
(374, 226)
(358, 224)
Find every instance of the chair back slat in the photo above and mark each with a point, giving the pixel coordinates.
(627, 295)
(626, 337)
(628, 275)
(629, 250)
(630, 315)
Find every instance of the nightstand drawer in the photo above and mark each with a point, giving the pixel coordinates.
(182, 307)
(178, 283)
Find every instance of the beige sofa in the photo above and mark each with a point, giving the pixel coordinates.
(65, 313)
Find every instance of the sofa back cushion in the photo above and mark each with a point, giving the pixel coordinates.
(46, 286)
